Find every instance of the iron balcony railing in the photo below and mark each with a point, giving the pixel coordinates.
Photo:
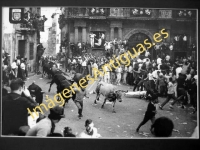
(130, 13)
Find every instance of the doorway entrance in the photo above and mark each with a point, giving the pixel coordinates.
(21, 48)
(138, 38)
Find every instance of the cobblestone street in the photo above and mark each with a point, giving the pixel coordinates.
(123, 123)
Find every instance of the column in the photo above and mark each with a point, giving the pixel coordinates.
(120, 33)
(84, 34)
(112, 33)
(76, 35)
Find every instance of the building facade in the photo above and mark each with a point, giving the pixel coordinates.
(131, 24)
(54, 36)
(25, 37)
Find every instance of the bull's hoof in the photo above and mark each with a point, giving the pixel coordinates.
(95, 102)
(113, 111)
(102, 107)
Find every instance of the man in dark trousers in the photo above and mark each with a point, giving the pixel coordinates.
(14, 108)
(151, 111)
(79, 100)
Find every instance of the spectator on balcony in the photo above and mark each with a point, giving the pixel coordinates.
(92, 36)
(102, 36)
(99, 42)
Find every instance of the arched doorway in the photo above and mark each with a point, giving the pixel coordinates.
(138, 38)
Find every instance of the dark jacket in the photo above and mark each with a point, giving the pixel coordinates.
(14, 113)
(150, 110)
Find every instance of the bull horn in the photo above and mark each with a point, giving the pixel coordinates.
(32, 90)
(42, 92)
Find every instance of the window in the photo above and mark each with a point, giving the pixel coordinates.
(31, 46)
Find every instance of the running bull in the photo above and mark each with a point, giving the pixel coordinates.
(64, 81)
(108, 90)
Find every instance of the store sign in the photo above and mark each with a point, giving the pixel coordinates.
(16, 15)
(165, 13)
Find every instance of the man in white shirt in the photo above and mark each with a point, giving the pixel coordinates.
(92, 39)
(178, 70)
(22, 66)
(147, 54)
(84, 65)
(167, 58)
(107, 45)
(184, 42)
(94, 65)
(156, 73)
(14, 68)
(74, 61)
(79, 47)
(171, 47)
(107, 75)
(159, 61)
(118, 73)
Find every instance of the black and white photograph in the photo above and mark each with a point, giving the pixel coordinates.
(82, 72)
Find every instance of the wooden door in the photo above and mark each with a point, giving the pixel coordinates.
(21, 48)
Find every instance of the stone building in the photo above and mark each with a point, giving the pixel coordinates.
(25, 37)
(54, 36)
(131, 24)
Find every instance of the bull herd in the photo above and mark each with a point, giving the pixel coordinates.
(63, 81)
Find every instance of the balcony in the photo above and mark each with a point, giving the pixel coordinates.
(128, 13)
